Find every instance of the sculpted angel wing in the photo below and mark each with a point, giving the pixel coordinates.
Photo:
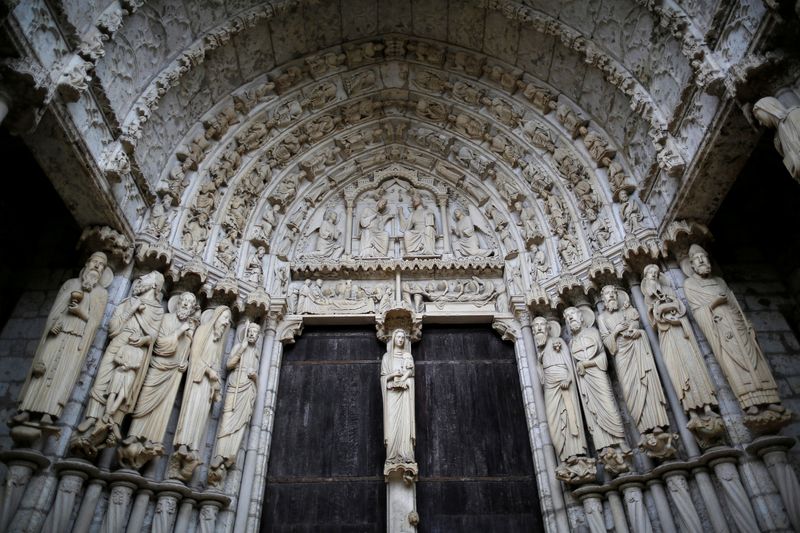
(479, 221)
(316, 222)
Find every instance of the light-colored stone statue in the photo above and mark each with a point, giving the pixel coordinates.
(133, 329)
(419, 229)
(254, 270)
(636, 369)
(733, 342)
(465, 229)
(202, 389)
(630, 212)
(167, 365)
(399, 423)
(682, 355)
(773, 114)
(374, 237)
(597, 396)
(328, 237)
(562, 405)
(69, 332)
(240, 396)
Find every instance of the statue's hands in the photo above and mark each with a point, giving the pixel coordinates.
(565, 384)
(138, 341)
(212, 374)
(38, 369)
(183, 367)
(57, 327)
(252, 375)
(581, 368)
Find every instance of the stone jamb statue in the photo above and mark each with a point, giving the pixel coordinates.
(69, 331)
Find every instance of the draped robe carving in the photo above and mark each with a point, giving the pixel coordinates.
(399, 424)
(419, 234)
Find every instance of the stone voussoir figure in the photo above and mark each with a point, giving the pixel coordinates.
(636, 371)
(201, 391)
(240, 397)
(682, 356)
(562, 406)
(599, 406)
(69, 331)
(734, 343)
(168, 363)
(133, 329)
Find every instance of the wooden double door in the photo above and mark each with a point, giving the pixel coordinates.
(326, 462)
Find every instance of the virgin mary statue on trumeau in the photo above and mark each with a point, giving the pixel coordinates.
(399, 426)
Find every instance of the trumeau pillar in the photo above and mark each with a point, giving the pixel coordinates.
(400, 470)
(348, 228)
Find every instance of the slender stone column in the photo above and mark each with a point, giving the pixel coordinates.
(166, 509)
(442, 201)
(637, 511)
(254, 438)
(682, 502)
(118, 502)
(207, 519)
(617, 512)
(772, 451)
(739, 508)
(21, 466)
(593, 510)
(348, 228)
(88, 506)
(139, 510)
(557, 497)
(184, 516)
(69, 486)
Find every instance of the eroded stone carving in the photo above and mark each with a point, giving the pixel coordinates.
(773, 114)
(69, 332)
(167, 365)
(240, 396)
(597, 396)
(733, 342)
(133, 330)
(636, 370)
(201, 391)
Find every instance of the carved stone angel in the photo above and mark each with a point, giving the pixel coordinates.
(636, 369)
(597, 396)
(630, 212)
(733, 342)
(202, 389)
(562, 405)
(466, 243)
(240, 397)
(399, 422)
(69, 332)
(167, 365)
(328, 237)
(133, 329)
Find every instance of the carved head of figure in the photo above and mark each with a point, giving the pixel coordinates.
(623, 196)
(540, 331)
(222, 323)
(610, 298)
(574, 319)
(186, 305)
(651, 272)
(416, 201)
(699, 259)
(152, 281)
(458, 214)
(252, 332)
(261, 252)
(399, 338)
(769, 111)
(380, 207)
(331, 216)
(93, 271)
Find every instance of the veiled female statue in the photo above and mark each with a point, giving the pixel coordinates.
(374, 237)
(733, 342)
(240, 397)
(69, 332)
(465, 230)
(419, 229)
(562, 405)
(399, 425)
(167, 365)
(202, 389)
(597, 396)
(682, 355)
